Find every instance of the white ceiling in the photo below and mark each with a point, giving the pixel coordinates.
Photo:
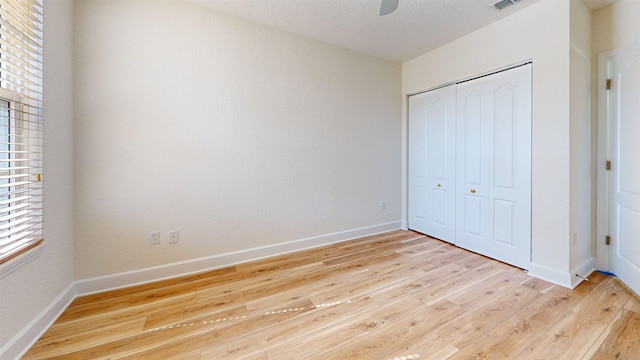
(417, 27)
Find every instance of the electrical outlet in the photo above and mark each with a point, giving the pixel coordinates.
(383, 205)
(174, 237)
(154, 238)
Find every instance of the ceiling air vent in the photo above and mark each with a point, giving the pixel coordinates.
(504, 3)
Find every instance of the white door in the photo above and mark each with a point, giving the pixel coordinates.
(493, 186)
(432, 163)
(625, 171)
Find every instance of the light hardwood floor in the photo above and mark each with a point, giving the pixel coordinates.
(399, 295)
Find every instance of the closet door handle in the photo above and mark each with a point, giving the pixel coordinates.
(473, 191)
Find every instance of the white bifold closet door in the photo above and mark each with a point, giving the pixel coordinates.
(432, 141)
(470, 169)
(493, 171)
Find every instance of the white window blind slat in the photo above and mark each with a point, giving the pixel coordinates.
(15, 199)
(12, 212)
(14, 184)
(25, 235)
(19, 176)
(21, 126)
(12, 221)
(17, 229)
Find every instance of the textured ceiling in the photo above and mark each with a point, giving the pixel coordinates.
(417, 27)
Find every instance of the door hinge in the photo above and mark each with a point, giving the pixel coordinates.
(607, 240)
(608, 165)
(608, 84)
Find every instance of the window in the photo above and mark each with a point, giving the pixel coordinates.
(20, 126)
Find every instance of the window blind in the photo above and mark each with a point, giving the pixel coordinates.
(21, 126)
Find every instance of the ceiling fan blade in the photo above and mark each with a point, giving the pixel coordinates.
(388, 6)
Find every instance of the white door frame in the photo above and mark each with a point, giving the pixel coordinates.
(602, 175)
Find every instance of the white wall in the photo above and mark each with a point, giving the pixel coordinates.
(614, 26)
(237, 135)
(30, 290)
(540, 33)
(582, 178)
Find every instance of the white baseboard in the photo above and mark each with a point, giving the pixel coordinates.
(566, 279)
(584, 269)
(404, 225)
(129, 278)
(23, 341)
(551, 275)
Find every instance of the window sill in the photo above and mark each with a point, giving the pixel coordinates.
(20, 260)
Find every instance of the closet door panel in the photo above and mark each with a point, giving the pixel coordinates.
(471, 132)
(494, 125)
(437, 163)
(473, 217)
(504, 221)
(504, 154)
(417, 167)
(472, 160)
(511, 185)
(432, 163)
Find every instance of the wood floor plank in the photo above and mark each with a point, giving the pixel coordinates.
(570, 338)
(325, 316)
(398, 295)
(421, 246)
(427, 249)
(633, 304)
(582, 326)
(538, 284)
(522, 329)
(463, 330)
(398, 236)
(413, 284)
(482, 292)
(209, 341)
(297, 329)
(123, 303)
(624, 341)
(260, 356)
(457, 283)
(332, 280)
(368, 255)
(259, 285)
(151, 338)
(184, 313)
(376, 279)
(79, 323)
(207, 276)
(411, 334)
(432, 346)
(61, 343)
(607, 299)
(287, 261)
(317, 344)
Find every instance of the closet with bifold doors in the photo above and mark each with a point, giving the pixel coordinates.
(469, 164)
